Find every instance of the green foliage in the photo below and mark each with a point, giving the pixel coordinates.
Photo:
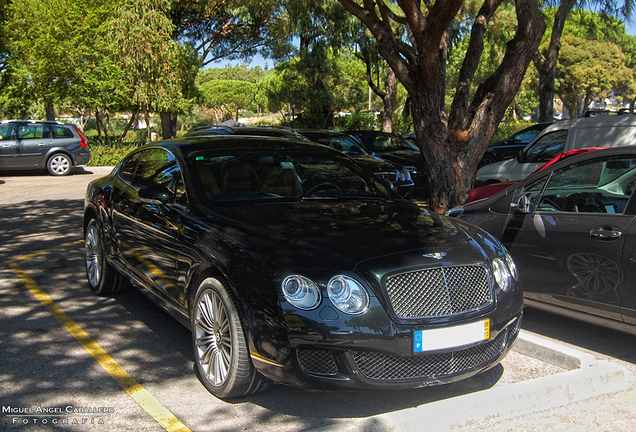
(402, 123)
(589, 70)
(506, 129)
(98, 55)
(356, 120)
(106, 155)
(232, 95)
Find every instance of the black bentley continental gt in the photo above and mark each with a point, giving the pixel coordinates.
(292, 263)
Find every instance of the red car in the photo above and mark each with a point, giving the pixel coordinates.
(491, 189)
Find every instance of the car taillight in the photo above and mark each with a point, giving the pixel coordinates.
(84, 142)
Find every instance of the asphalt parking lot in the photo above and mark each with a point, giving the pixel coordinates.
(73, 361)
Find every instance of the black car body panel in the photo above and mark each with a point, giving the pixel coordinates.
(570, 229)
(167, 246)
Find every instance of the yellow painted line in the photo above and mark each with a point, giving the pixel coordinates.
(140, 395)
(46, 251)
(41, 185)
(632, 397)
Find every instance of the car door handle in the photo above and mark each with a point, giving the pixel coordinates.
(606, 233)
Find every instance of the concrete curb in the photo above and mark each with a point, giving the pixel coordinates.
(586, 377)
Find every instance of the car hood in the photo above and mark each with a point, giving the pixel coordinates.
(350, 232)
(403, 157)
(508, 170)
(373, 163)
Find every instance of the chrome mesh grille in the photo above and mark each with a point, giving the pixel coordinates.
(317, 362)
(386, 367)
(440, 291)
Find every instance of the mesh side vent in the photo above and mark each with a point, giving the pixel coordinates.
(317, 362)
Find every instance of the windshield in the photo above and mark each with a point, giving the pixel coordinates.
(283, 174)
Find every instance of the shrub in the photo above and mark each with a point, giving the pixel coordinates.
(102, 155)
(356, 121)
(506, 129)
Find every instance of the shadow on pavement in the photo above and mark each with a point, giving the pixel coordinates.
(595, 338)
(34, 226)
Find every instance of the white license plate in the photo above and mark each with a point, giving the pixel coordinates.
(451, 337)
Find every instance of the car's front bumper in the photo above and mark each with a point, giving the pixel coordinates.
(349, 354)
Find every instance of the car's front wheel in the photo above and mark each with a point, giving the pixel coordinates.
(59, 164)
(487, 159)
(102, 278)
(221, 356)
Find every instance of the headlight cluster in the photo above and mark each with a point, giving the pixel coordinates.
(405, 175)
(504, 270)
(348, 295)
(345, 293)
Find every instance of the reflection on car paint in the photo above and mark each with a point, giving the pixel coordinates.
(597, 276)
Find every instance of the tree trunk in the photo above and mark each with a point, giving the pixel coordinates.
(121, 139)
(388, 99)
(98, 122)
(387, 96)
(546, 66)
(169, 125)
(148, 130)
(50, 112)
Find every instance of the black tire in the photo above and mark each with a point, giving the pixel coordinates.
(59, 165)
(221, 357)
(103, 279)
(486, 160)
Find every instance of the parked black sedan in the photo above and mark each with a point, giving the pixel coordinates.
(570, 229)
(292, 263)
(399, 151)
(509, 148)
(398, 176)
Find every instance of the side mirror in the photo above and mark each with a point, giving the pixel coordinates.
(154, 194)
(521, 157)
(522, 205)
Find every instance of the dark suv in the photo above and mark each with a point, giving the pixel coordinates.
(34, 145)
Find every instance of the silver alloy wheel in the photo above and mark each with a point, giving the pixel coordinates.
(93, 249)
(59, 164)
(213, 337)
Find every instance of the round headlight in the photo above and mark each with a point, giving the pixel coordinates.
(301, 292)
(512, 267)
(502, 274)
(348, 295)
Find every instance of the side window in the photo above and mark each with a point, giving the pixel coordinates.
(6, 131)
(594, 186)
(155, 167)
(547, 147)
(29, 131)
(129, 168)
(61, 132)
